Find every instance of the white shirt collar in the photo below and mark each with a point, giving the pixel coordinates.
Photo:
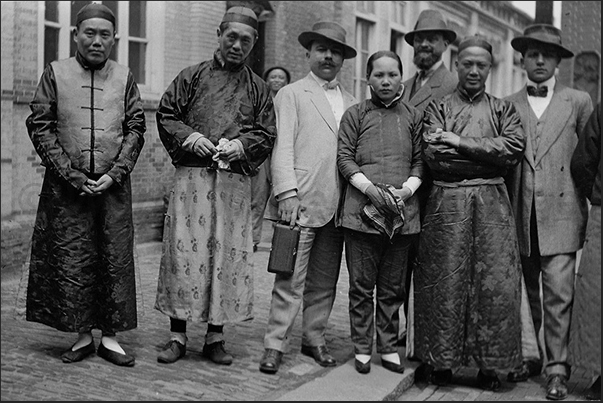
(550, 83)
(319, 80)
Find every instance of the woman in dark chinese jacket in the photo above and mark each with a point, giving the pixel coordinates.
(379, 153)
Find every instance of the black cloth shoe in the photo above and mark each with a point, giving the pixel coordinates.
(362, 368)
(423, 373)
(320, 354)
(70, 355)
(392, 366)
(441, 377)
(172, 352)
(556, 387)
(594, 392)
(123, 360)
(488, 380)
(271, 361)
(524, 371)
(216, 353)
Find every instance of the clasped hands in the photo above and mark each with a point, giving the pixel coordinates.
(96, 188)
(378, 200)
(228, 150)
(441, 137)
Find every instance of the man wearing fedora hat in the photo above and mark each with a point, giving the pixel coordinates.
(550, 214)
(306, 191)
(433, 80)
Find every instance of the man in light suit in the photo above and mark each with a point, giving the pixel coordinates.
(550, 214)
(433, 80)
(306, 192)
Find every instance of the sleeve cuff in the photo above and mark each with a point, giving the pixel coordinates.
(413, 183)
(360, 181)
(190, 141)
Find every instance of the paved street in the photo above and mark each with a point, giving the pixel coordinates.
(32, 370)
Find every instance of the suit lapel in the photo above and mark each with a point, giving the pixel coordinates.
(558, 113)
(523, 107)
(320, 102)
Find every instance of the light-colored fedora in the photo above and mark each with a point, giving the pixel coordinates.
(430, 20)
(541, 34)
(330, 31)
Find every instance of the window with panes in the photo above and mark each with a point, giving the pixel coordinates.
(131, 39)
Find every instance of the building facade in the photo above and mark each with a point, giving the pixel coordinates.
(157, 39)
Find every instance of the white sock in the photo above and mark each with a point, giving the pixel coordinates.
(111, 344)
(83, 340)
(391, 357)
(179, 337)
(363, 358)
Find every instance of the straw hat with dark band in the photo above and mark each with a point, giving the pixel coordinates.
(330, 31)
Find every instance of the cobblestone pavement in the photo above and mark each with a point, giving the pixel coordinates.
(32, 370)
(463, 388)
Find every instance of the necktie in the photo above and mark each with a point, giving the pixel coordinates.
(332, 85)
(418, 83)
(537, 92)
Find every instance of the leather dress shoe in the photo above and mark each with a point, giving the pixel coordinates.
(320, 354)
(524, 371)
(556, 387)
(392, 366)
(488, 380)
(594, 392)
(70, 355)
(217, 353)
(362, 368)
(123, 360)
(441, 377)
(171, 352)
(271, 361)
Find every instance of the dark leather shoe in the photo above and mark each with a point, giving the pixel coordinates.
(488, 380)
(217, 353)
(123, 360)
(423, 373)
(441, 377)
(556, 387)
(594, 392)
(320, 354)
(172, 352)
(392, 366)
(524, 371)
(70, 355)
(362, 368)
(271, 361)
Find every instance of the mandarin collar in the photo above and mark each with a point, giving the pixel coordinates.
(222, 64)
(377, 101)
(466, 97)
(84, 63)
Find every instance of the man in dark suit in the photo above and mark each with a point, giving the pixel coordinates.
(433, 80)
(550, 214)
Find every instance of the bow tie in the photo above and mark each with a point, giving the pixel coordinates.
(330, 85)
(537, 92)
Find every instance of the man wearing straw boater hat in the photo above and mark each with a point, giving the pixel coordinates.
(306, 192)
(550, 215)
(216, 120)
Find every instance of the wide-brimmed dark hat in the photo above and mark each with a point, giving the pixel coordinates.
(430, 20)
(541, 34)
(330, 31)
